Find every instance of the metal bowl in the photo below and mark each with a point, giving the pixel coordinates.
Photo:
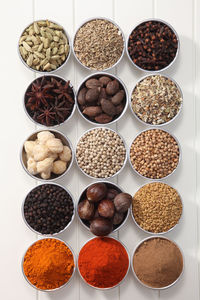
(156, 125)
(132, 257)
(177, 52)
(48, 234)
(98, 74)
(54, 126)
(156, 179)
(108, 288)
(117, 173)
(45, 72)
(66, 283)
(110, 185)
(156, 233)
(98, 18)
(32, 137)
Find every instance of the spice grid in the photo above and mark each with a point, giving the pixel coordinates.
(50, 100)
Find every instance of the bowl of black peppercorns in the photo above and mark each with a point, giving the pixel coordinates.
(153, 45)
(48, 209)
(103, 207)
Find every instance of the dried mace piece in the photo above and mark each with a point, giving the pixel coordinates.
(86, 210)
(101, 226)
(106, 208)
(96, 192)
(122, 202)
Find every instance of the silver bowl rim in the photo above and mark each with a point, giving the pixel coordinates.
(150, 232)
(39, 124)
(112, 287)
(179, 160)
(125, 160)
(178, 45)
(48, 234)
(57, 177)
(66, 283)
(156, 125)
(45, 72)
(109, 75)
(83, 190)
(99, 18)
(150, 238)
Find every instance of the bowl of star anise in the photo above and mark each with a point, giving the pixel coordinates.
(49, 100)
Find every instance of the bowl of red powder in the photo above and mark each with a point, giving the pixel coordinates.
(48, 264)
(157, 263)
(103, 263)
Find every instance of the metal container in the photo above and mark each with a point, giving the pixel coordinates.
(132, 256)
(111, 185)
(156, 125)
(108, 288)
(47, 234)
(56, 289)
(117, 173)
(156, 179)
(98, 18)
(32, 137)
(96, 75)
(177, 52)
(45, 72)
(156, 233)
(37, 123)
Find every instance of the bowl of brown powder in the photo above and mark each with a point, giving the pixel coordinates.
(157, 263)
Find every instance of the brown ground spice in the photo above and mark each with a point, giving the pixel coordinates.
(157, 262)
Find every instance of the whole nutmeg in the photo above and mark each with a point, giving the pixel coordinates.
(122, 202)
(106, 208)
(81, 96)
(101, 226)
(96, 192)
(86, 210)
(111, 194)
(118, 218)
(112, 87)
(92, 95)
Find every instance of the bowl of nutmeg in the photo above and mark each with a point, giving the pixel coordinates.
(103, 207)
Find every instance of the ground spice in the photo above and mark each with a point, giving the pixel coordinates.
(103, 262)
(157, 207)
(158, 262)
(48, 264)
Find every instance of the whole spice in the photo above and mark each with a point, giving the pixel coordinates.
(156, 100)
(157, 207)
(157, 262)
(48, 208)
(48, 264)
(103, 262)
(106, 208)
(152, 45)
(99, 98)
(44, 46)
(96, 192)
(86, 210)
(154, 153)
(100, 153)
(100, 226)
(122, 202)
(49, 100)
(98, 44)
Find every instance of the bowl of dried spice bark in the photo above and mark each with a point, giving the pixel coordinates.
(49, 100)
(44, 46)
(156, 208)
(99, 44)
(153, 45)
(156, 100)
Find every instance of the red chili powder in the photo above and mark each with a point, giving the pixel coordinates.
(103, 262)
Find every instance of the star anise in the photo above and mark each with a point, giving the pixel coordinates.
(63, 91)
(46, 117)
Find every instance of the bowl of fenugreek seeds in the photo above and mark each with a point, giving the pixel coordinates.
(156, 100)
(44, 46)
(99, 44)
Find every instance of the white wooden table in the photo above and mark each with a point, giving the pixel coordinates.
(184, 16)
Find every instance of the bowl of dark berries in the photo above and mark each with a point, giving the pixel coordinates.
(49, 100)
(48, 209)
(47, 155)
(103, 207)
(102, 98)
(153, 45)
